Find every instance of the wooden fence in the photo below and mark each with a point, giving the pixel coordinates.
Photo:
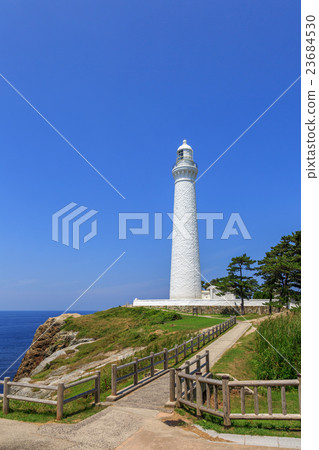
(59, 389)
(206, 394)
(156, 364)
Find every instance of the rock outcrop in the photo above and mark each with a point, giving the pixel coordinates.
(48, 339)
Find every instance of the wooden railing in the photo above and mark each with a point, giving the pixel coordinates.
(166, 358)
(59, 389)
(205, 394)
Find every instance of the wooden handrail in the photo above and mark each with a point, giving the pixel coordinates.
(76, 383)
(200, 384)
(30, 385)
(60, 389)
(182, 349)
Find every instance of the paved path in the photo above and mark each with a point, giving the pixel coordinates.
(155, 394)
(136, 422)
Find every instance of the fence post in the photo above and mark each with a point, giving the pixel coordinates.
(207, 360)
(114, 377)
(198, 363)
(192, 345)
(6, 391)
(198, 342)
(199, 395)
(97, 387)
(185, 351)
(226, 401)
(176, 354)
(152, 364)
(165, 359)
(172, 385)
(60, 401)
(204, 338)
(178, 388)
(299, 390)
(135, 376)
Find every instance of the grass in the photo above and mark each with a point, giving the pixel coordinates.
(239, 360)
(284, 333)
(119, 328)
(191, 323)
(37, 413)
(73, 412)
(251, 316)
(252, 427)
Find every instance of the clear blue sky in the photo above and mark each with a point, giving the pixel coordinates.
(126, 82)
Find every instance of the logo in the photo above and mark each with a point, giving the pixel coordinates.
(68, 223)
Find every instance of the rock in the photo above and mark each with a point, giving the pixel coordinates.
(46, 341)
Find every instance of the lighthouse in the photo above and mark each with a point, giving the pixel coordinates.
(185, 280)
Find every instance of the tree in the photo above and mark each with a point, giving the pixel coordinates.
(237, 281)
(281, 270)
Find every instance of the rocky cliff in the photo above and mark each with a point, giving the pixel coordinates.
(48, 339)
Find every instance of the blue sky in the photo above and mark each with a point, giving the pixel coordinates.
(125, 82)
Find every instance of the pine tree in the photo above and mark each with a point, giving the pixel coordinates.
(281, 269)
(237, 281)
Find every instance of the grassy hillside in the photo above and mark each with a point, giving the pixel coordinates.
(114, 329)
(119, 328)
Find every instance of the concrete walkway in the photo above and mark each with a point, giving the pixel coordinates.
(137, 421)
(155, 394)
(219, 346)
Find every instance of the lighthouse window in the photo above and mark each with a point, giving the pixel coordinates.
(180, 153)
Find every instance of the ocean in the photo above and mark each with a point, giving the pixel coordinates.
(17, 329)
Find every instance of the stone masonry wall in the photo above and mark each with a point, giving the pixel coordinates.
(263, 309)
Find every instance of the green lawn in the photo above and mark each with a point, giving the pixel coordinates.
(191, 323)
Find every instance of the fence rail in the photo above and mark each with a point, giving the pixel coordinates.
(206, 394)
(165, 358)
(59, 389)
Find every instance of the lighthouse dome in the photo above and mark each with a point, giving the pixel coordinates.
(185, 151)
(185, 146)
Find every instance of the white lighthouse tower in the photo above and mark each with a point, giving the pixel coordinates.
(185, 267)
